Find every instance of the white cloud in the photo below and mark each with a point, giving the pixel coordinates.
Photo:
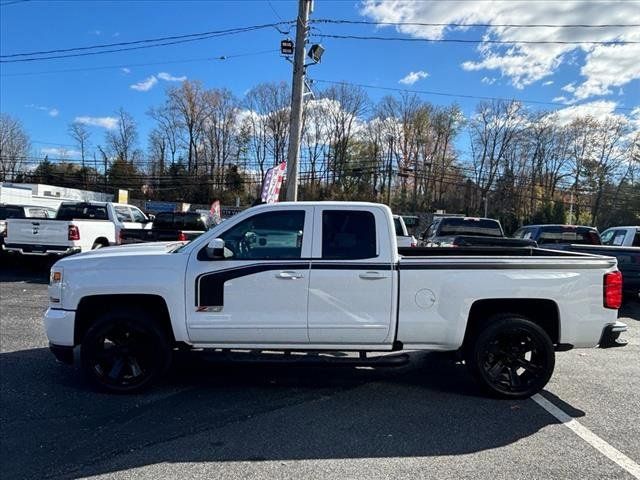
(167, 77)
(547, 83)
(599, 109)
(125, 70)
(602, 66)
(413, 77)
(51, 111)
(95, 32)
(105, 122)
(488, 81)
(145, 85)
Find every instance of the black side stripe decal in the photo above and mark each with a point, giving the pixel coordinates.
(210, 286)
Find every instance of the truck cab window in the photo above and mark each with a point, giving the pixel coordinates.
(123, 214)
(348, 235)
(267, 236)
(138, 216)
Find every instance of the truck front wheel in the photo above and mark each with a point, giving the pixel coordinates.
(511, 357)
(125, 351)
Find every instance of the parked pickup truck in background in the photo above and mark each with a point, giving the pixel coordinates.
(169, 226)
(312, 276)
(21, 211)
(402, 234)
(621, 236)
(628, 263)
(78, 227)
(443, 230)
(557, 236)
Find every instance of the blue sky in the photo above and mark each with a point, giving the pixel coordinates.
(47, 101)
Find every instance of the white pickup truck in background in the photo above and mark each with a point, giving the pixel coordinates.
(404, 239)
(313, 276)
(77, 227)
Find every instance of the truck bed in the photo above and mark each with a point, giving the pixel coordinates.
(429, 252)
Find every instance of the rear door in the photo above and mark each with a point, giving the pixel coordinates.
(351, 292)
(258, 293)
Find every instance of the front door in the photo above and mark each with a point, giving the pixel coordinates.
(258, 293)
(351, 292)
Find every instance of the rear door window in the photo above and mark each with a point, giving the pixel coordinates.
(636, 240)
(10, 211)
(123, 214)
(348, 235)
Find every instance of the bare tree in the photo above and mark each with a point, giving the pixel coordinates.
(121, 141)
(14, 147)
(81, 134)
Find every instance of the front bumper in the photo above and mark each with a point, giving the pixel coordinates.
(59, 325)
(610, 335)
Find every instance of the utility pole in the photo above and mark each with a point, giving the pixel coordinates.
(389, 170)
(297, 94)
(486, 205)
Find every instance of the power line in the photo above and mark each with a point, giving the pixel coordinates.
(80, 51)
(461, 40)
(448, 94)
(485, 25)
(127, 65)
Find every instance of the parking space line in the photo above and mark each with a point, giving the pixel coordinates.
(588, 436)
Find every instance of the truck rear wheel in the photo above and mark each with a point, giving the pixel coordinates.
(511, 357)
(125, 351)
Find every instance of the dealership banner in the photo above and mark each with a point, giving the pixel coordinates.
(272, 183)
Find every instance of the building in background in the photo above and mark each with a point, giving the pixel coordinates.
(47, 195)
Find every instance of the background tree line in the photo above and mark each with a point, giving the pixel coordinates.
(522, 166)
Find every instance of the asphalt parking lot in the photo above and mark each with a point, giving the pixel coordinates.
(211, 420)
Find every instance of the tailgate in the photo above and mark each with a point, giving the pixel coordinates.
(37, 231)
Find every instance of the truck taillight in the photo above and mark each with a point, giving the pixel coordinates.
(74, 233)
(414, 243)
(182, 237)
(120, 238)
(613, 290)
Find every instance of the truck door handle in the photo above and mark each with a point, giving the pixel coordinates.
(372, 276)
(289, 275)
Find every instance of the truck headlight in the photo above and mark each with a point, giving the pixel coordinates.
(55, 285)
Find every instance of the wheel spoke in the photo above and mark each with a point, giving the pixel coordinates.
(528, 366)
(496, 369)
(116, 369)
(135, 367)
(514, 379)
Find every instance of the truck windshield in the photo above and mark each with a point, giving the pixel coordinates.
(82, 212)
(470, 226)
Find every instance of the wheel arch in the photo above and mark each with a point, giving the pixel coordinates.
(542, 312)
(104, 241)
(90, 308)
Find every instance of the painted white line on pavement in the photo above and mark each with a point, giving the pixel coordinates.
(588, 436)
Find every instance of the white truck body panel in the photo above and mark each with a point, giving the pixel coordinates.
(313, 302)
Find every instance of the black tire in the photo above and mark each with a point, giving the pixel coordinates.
(125, 351)
(511, 357)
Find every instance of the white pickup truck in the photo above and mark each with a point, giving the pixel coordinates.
(328, 276)
(78, 227)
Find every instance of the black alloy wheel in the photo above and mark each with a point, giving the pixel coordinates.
(125, 352)
(512, 357)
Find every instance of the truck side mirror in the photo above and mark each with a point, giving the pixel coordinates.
(215, 249)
